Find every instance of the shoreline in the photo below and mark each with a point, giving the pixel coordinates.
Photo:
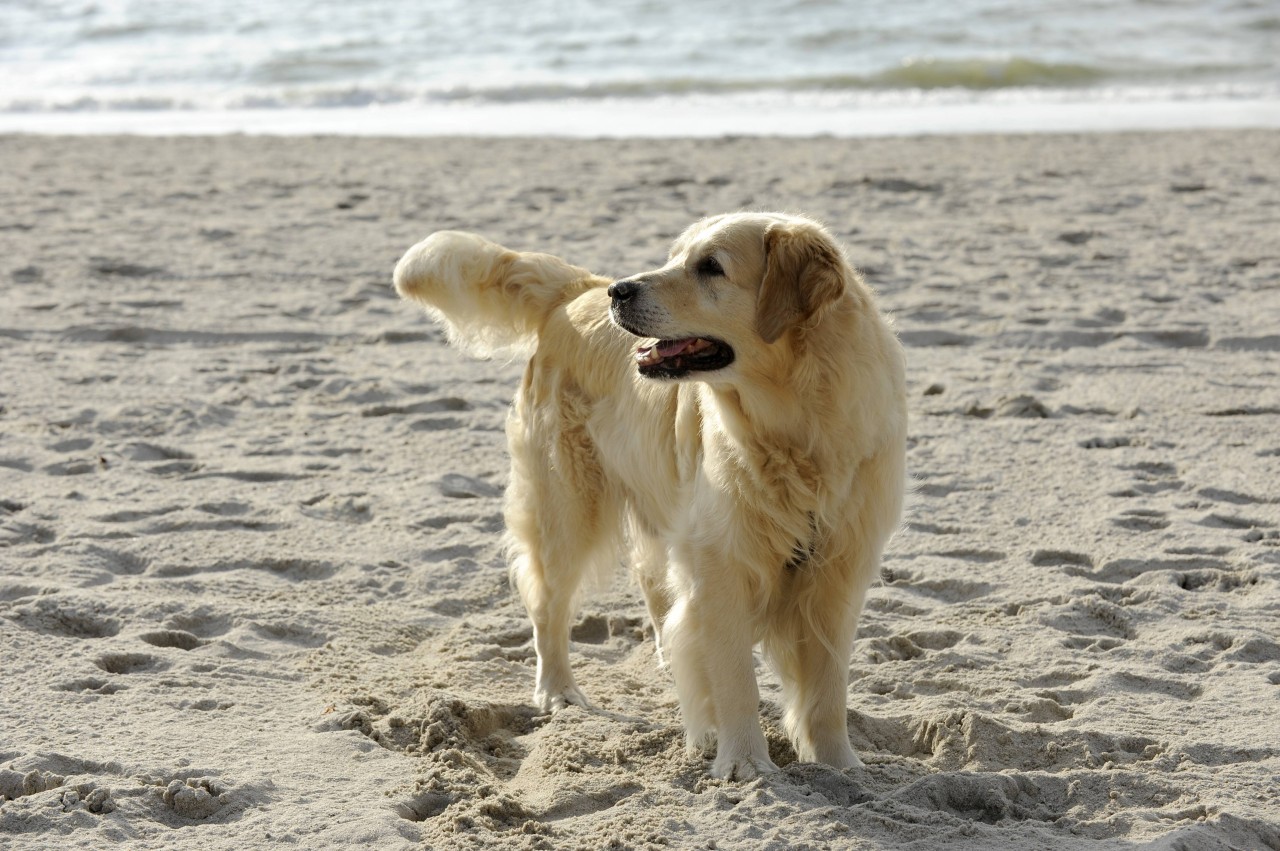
(678, 118)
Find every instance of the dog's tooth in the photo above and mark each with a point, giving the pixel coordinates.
(645, 355)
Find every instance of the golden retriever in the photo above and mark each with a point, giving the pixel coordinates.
(733, 421)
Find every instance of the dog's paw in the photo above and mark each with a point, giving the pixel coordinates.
(742, 767)
(834, 751)
(553, 700)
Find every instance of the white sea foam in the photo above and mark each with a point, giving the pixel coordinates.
(671, 118)
(706, 67)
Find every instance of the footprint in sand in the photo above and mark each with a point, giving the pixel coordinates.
(145, 452)
(89, 686)
(1236, 497)
(424, 805)
(353, 508)
(1150, 477)
(129, 663)
(133, 516)
(908, 646)
(1090, 622)
(947, 590)
(17, 534)
(1141, 520)
(430, 406)
(177, 638)
(939, 489)
(160, 460)
(204, 623)
(597, 629)
(71, 468)
(1205, 651)
(1216, 580)
(1022, 407)
(935, 529)
(1110, 442)
(1152, 569)
(457, 486)
(19, 591)
(77, 444)
(68, 618)
(974, 554)
(437, 424)
(1219, 520)
(1061, 558)
(230, 508)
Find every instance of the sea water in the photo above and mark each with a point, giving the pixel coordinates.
(636, 67)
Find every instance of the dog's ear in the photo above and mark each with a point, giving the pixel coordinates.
(803, 272)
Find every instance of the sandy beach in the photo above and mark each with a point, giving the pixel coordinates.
(252, 593)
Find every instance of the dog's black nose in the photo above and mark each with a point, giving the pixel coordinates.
(622, 290)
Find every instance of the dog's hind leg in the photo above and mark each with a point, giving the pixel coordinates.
(547, 584)
(649, 565)
(563, 527)
(548, 570)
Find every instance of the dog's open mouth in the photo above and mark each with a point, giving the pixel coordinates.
(677, 358)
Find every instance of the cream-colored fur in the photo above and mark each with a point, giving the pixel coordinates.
(752, 501)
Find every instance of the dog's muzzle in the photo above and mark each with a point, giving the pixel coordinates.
(622, 304)
(667, 358)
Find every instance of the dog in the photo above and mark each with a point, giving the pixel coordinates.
(733, 423)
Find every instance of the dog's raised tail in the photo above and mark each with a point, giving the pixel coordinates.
(489, 298)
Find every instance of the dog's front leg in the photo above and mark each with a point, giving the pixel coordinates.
(709, 637)
(741, 750)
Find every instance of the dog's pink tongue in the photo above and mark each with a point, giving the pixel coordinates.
(673, 347)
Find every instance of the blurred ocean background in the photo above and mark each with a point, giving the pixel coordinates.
(636, 67)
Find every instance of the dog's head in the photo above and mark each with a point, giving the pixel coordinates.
(733, 289)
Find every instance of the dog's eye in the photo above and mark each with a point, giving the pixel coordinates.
(710, 267)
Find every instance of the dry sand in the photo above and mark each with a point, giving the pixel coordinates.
(251, 591)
